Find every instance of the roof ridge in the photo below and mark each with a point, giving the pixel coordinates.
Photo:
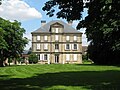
(46, 27)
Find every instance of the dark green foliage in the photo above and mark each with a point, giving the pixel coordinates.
(85, 57)
(102, 26)
(69, 9)
(0, 2)
(103, 30)
(33, 58)
(12, 42)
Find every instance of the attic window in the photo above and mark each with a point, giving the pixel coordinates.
(56, 30)
(38, 38)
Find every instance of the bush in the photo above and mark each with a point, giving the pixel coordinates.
(33, 58)
(84, 57)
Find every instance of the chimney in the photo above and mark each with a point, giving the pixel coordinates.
(43, 22)
(70, 22)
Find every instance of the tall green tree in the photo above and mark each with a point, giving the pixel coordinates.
(103, 30)
(102, 25)
(12, 42)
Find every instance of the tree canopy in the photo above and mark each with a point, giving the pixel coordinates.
(102, 25)
(12, 42)
(68, 9)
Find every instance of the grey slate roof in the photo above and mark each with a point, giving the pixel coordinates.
(25, 52)
(46, 27)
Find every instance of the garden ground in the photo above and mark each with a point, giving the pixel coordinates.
(60, 77)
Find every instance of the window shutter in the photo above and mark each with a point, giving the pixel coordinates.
(38, 38)
(41, 57)
(77, 46)
(48, 58)
(65, 46)
(75, 57)
(72, 46)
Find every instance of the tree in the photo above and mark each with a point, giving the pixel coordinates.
(12, 41)
(102, 26)
(103, 30)
(0, 2)
(69, 9)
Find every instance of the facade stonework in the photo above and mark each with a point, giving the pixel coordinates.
(57, 42)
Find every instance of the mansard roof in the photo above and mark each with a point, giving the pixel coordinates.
(46, 28)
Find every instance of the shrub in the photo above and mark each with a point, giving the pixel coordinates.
(33, 58)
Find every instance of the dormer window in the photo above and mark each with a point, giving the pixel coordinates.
(56, 30)
(75, 38)
(67, 38)
(38, 38)
(45, 38)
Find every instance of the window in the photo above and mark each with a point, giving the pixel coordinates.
(75, 38)
(56, 37)
(45, 38)
(46, 46)
(67, 57)
(56, 46)
(56, 30)
(67, 46)
(45, 56)
(75, 57)
(67, 38)
(38, 46)
(75, 46)
(38, 38)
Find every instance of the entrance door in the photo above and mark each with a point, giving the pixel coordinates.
(56, 58)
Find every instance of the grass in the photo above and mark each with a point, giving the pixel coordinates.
(60, 77)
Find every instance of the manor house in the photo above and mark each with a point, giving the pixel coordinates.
(57, 42)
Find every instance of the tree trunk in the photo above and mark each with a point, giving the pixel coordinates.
(1, 59)
(1, 63)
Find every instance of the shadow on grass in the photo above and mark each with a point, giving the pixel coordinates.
(93, 80)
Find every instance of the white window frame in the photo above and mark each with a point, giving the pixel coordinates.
(57, 46)
(75, 38)
(38, 46)
(45, 46)
(74, 46)
(56, 30)
(38, 38)
(45, 38)
(66, 46)
(67, 57)
(67, 38)
(56, 38)
(75, 57)
(41, 56)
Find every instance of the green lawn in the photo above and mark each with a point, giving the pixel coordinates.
(60, 77)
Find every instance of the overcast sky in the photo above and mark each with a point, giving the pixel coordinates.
(30, 14)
